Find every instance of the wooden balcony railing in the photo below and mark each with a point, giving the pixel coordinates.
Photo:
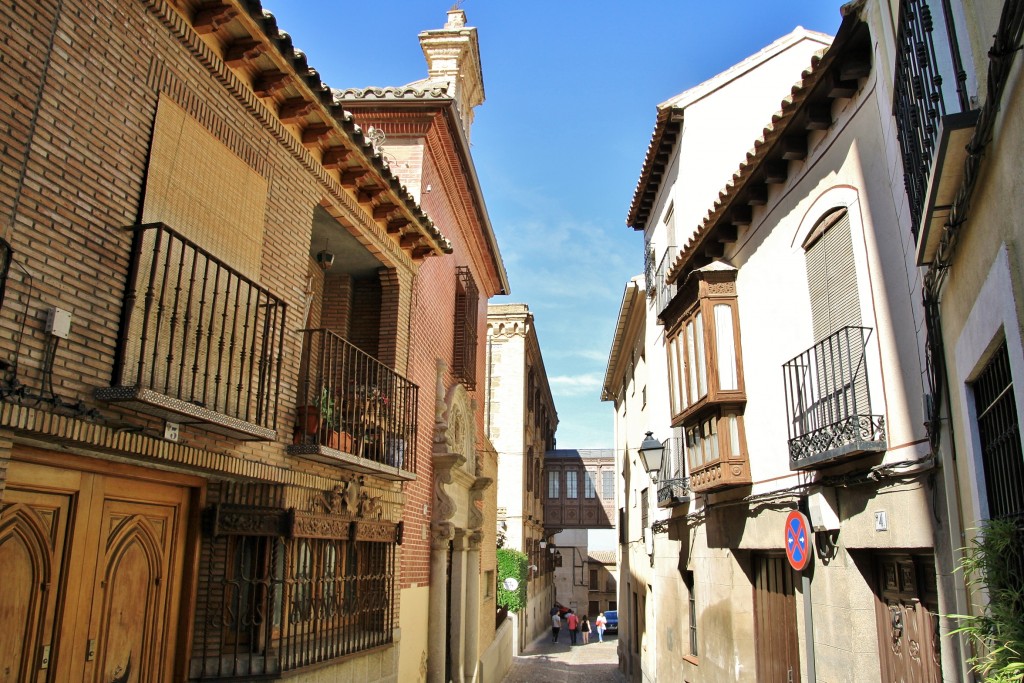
(828, 401)
(199, 342)
(354, 410)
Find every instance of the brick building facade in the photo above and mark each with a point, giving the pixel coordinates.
(222, 313)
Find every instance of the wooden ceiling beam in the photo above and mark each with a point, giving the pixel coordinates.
(727, 232)
(714, 250)
(757, 194)
(776, 172)
(794, 147)
(741, 215)
(334, 157)
(350, 178)
(294, 110)
(855, 67)
(244, 51)
(819, 115)
(269, 82)
(840, 88)
(369, 192)
(213, 15)
(383, 209)
(316, 134)
(397, 224)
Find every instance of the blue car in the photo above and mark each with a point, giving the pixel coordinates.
(613, 621)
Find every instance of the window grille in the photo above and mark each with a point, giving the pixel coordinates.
(467, 299)
(999, 433)
(279, 602)
(649, 271)
(644, 504)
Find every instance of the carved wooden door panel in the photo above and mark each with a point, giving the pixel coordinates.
(33, 529)
(94, 566)
(908, 629)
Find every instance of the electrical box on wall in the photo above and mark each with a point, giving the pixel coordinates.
(824, 512)
(58, 322)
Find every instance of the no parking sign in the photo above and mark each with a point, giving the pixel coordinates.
(798, 540)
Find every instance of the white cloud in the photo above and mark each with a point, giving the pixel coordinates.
(575, 385)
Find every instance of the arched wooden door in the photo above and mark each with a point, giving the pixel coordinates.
(97, 561)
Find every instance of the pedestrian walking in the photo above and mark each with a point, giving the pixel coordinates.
(585, 629)
(574, 623)
(600, 623)
(556, 626)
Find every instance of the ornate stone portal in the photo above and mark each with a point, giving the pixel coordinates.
(455, 529)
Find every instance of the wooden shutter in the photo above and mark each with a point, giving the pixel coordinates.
(832, 276)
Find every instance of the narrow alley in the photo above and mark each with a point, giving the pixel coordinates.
(547, 662)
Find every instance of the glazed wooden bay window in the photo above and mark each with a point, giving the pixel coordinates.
(706, 389)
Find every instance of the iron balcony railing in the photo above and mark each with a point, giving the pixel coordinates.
(673, 492)
(929, 82)
(351, 403)
(828, 401)
(199, 341)
(665, 292)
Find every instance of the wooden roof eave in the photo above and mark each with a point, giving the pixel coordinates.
(301, 99)
(663, 141)
(791, 123)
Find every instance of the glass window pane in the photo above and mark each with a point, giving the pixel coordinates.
(553, 484)
(570, 484)
(608, 485)
(591, 484)
(734, 435)
(726, 348)
(691, 366)
(699, 361)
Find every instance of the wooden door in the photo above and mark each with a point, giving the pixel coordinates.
(908, 626)
(33, 529)
(100, 560)
(775, 634)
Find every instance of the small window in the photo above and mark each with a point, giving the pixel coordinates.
(571, 484)
(593, 580)
(467, 303)
(692, 604)
(608, 485)
(590, 484)
(553, 481)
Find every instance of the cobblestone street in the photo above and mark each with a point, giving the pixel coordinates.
(547, 662)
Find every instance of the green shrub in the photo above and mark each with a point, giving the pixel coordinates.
(994, 564)
(514, 564)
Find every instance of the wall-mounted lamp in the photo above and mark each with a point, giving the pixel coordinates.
(651, 452)
(543, 544)
(325, 259)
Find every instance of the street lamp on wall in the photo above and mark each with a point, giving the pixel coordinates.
(651, 452)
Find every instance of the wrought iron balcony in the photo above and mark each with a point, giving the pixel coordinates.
(353, 410)
(672, 492)
(828, 402)
(199, 342)
(665, 291)
(930, 93)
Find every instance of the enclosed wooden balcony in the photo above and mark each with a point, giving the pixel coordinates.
(199, 343)
(828, 402)
(353, 410)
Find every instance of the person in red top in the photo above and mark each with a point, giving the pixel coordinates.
(574, 624)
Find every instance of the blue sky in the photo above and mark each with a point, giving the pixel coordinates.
(571, 88)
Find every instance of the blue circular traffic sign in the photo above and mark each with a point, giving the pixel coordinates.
(798, 540)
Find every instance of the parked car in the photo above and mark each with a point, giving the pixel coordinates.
(612, 616)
